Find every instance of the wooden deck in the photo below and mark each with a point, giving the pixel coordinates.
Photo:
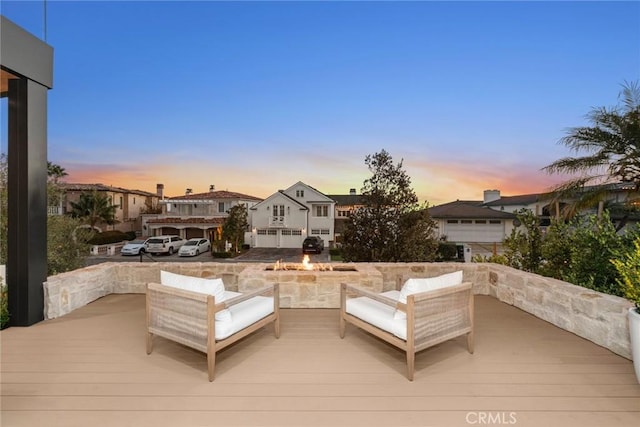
(90, 368)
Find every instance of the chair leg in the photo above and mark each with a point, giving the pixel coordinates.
(470, 342)
(343, 325)
(411, 359)
(211, 364)
(276, 326)
(149, 342)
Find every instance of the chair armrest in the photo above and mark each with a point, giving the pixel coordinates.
(374, 296)
(236, 300)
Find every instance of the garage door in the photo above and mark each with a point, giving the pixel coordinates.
(290, 238)
(464, 231)
(266, 238)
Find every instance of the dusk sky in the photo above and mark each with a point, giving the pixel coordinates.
(255, 96)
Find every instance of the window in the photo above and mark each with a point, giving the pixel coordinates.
(320, 210)
(324, 231)
(315, 231)
(286, 232)
(222, 208)
(272, 232)
(262, 232)
(296, 232)
(343, 214)
(299, 193)
(481, 221)
(495, 221)
(121, 204)
(134, 200)
(466, 221)
(452, 221)
(278, 210)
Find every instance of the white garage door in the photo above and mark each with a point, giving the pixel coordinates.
(266, 238)
(484, 231)
(290, 238)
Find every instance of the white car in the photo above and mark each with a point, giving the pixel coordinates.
(194, 247)
(134, 247)
(164, 244)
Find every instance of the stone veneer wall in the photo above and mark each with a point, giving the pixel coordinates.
(592, 315)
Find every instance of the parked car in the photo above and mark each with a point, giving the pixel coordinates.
(313, 244)
(193, 247)
(164, 244)
(134, 247)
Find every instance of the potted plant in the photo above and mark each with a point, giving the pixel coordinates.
(628, 265)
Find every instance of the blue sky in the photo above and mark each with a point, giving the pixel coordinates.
(255, 96)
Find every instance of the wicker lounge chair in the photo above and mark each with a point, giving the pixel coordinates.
(426, 319)
(194, 319)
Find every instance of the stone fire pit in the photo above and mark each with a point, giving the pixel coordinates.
(318, 288)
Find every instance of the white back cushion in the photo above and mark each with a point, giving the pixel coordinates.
(414, 286)
(213, 287)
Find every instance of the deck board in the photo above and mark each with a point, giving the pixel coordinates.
(90, 368)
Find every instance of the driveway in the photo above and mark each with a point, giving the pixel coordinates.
(253, 255)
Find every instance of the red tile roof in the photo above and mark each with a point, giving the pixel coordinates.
(176, 220)
(212, 195)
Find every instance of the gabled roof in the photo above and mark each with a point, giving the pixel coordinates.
(101, 187)
(524, 199)
(467, 209)
(320, 193)
(279, 193)
(215, 195)
(347, 199)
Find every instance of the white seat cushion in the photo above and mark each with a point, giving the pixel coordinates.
(242, 315)
(414, 286)
(378, 314)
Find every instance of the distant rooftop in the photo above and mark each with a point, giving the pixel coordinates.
(101, 187)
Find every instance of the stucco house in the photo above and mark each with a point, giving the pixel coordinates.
(285, 218)
(194, 214)
(130, 203)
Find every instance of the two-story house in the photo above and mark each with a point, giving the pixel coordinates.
(130, 203)
(285, 218)
(345, 205)
(195, 214)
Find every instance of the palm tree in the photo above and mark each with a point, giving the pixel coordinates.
(612, 156)
(55, 172)
(93, 208)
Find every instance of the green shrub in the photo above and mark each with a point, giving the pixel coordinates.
(131, 235)
(4, 305)
(67, 246)
(107, 237)
(628, 265)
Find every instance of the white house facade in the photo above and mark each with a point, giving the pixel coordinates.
(287, 217)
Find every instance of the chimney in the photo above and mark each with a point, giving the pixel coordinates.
(212, 188)
(491, 195)
(160, 191)
(188, 191)
(352, 191)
